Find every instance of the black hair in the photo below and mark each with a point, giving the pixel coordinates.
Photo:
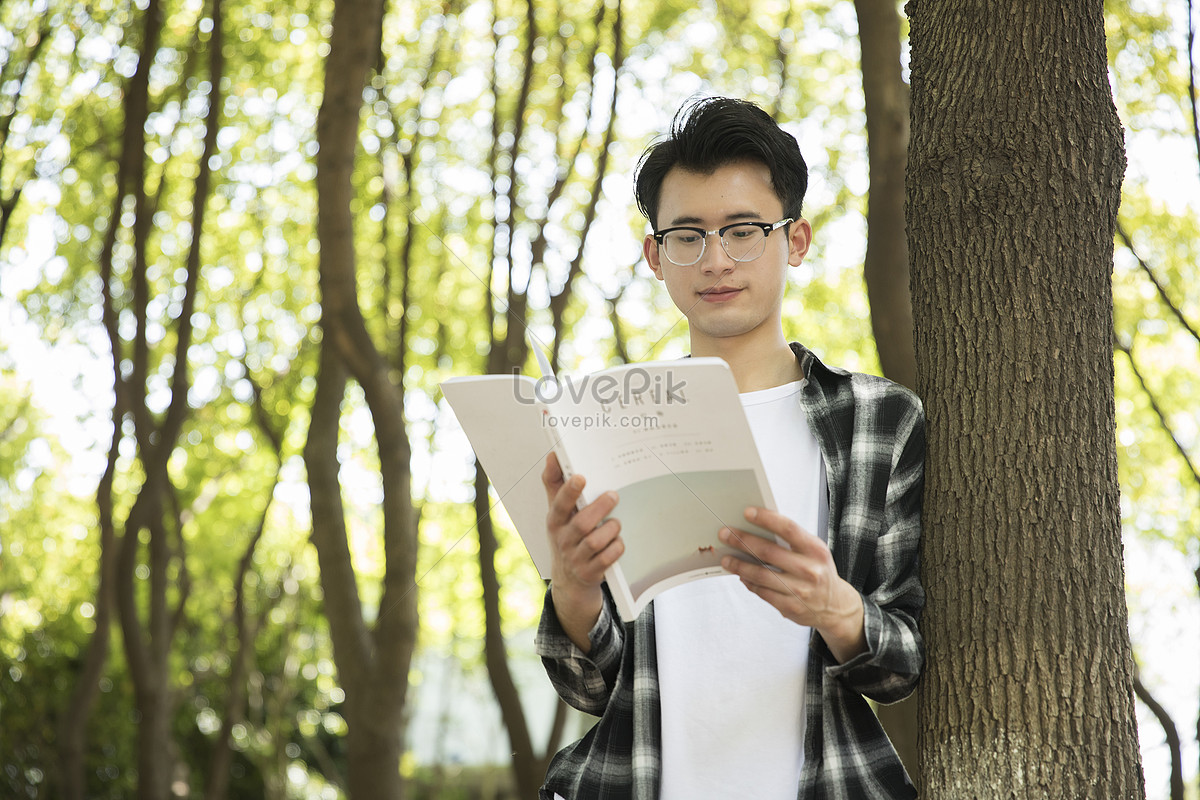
(711, 132)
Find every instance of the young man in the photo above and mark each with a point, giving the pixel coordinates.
(753, 684)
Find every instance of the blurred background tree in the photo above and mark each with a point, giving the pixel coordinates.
(159, 345)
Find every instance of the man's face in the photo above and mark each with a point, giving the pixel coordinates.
(720, 297)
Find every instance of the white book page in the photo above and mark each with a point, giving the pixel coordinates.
(672, 439)
(500, 416)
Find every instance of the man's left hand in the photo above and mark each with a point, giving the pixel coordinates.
(799, 580)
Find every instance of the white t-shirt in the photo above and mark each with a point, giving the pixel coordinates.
(731, 668)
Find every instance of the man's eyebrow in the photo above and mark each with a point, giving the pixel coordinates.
(734, 217)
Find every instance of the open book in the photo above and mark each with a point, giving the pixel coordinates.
(670, 437)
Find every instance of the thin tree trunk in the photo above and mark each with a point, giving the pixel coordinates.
(1191, 43)
(559, 300)
(1170, 732)
(503, 352)
(72, 728)
(528, 767)
(372, 663)
(885, 268)
(508, 352)
(1015, 169)
(118, 554)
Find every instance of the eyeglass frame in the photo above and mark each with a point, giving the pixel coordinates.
(767, 228)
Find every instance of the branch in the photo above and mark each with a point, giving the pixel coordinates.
(408, 167)
(556, 729)
(1169, 730)
(1127, 349)
(614, 319)
(217, 785)
(1191, 40)
(9, 204)
(183, 578)
(146, 507)
(514, 348)
(180, 382)
(558, 301)
(34, 50)
(1162, 292)
(567, 169)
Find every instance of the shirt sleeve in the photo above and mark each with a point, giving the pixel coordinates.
(892, 600)
(583, 681)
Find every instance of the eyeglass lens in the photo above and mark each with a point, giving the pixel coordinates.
(741, 243)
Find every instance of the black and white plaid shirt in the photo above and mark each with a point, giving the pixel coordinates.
(872, 436)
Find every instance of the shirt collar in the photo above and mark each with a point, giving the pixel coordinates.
(813, 366)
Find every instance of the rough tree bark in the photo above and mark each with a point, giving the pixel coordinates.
(372, 662)
(1014, 179)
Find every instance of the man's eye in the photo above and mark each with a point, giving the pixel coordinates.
(686, 238)
(743, 233)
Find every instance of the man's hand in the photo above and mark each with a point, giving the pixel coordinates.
(802, 582)
(582, 550)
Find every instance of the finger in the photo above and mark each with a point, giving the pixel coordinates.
(784, 527)
(591, 515)
(552, 476)
(757, 547)
(563, 502)
(600, 549)
(777, 588)
(754, 574)
(786, 603)
(776, 559)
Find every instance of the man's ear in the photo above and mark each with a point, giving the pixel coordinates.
(650, 251)
(799, 240)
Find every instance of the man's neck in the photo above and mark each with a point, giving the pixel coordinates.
(756, 365)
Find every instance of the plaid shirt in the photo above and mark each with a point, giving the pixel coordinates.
(872, 436)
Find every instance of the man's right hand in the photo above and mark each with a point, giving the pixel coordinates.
(582, 548)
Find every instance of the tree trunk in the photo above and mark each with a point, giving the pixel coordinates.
(885, 269)
(372, 663)
(1014, 179)
(130, 171)
(528, 767)
(1170, 733)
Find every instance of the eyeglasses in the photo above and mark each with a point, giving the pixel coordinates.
(742, 241)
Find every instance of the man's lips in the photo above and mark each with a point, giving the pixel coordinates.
(719, 294)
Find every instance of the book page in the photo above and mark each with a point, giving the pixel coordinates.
(641, 421)
(672, 439)
(503, 421)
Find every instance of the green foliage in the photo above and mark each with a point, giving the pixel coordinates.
(1161, 496)
(38, 667)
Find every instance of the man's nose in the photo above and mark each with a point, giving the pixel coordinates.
(715, 260)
